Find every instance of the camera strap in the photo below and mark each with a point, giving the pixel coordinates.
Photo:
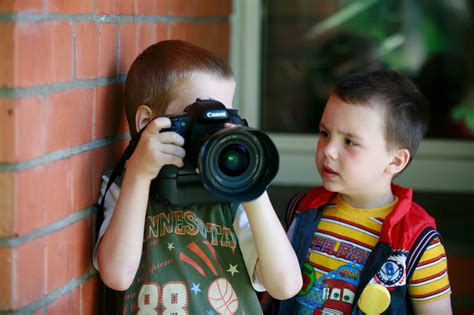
(116, 172)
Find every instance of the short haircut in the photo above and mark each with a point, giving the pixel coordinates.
(156, 73)
(406, 109)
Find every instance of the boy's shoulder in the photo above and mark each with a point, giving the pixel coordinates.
(316, 197)
(417, 211)
(418, 219)
(407, 207)
(302, 202)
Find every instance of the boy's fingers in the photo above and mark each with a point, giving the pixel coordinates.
(174, 160)
(173, 150)
(157, 124)
(229, 125)
(170, 137)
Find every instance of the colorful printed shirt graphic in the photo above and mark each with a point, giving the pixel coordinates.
(191, 264)
(338, 252)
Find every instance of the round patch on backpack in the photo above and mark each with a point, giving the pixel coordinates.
(391, 273)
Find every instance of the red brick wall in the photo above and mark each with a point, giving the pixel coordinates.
(62, 69)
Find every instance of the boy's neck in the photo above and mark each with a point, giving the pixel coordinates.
(371, 201)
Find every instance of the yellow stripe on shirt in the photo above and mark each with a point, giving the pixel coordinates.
(430, 280)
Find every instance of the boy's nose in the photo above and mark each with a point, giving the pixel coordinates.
(331, 151)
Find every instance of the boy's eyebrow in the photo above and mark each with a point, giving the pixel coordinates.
(353, 136)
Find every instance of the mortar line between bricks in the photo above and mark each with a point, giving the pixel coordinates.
(14, 93)
(48, 229)
(45, 300)
(62, 154)
(109, 18)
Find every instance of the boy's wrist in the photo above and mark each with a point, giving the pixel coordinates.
(141, 173)
(256, 203)
(138, 176)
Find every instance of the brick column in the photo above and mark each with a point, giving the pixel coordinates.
(62, 70)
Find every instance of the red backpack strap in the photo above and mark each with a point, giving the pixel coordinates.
(291, 208)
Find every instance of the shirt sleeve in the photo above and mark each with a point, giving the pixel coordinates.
(109, 207)
(247, 246)
(429, 281)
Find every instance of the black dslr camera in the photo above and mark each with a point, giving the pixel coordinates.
(235, 164)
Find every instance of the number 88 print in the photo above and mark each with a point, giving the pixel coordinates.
(174, 298)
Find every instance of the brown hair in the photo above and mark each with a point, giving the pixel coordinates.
(406, 108)
(156, 73)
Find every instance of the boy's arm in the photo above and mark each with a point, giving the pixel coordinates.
(441, 307)
(429, 284)
(277, 264)
(119, 250)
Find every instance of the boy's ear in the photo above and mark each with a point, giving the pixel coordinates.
(142, 117)
(400, 160)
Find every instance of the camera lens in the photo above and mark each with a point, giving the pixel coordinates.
(234, 160)
(237, 164)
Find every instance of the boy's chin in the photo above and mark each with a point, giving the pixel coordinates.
(330, 186)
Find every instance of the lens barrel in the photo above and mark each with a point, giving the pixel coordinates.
(234, 160)
(238, 164)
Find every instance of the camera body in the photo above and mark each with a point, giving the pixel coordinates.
(235, 164)
(199, 121)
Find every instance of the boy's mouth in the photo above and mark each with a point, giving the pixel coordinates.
(327, 172)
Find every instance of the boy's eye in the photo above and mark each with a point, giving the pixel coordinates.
(350, 143)
(324, 133)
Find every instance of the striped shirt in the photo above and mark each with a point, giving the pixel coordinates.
(346, 236)
(430, 279)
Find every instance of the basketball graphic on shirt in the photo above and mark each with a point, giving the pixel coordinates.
(222, 297)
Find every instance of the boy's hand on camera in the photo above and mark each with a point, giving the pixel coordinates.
(156, 149)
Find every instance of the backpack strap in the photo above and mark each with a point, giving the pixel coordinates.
(305, 223)
(292, 208)
(419, 247)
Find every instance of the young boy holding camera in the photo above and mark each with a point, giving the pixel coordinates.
(359, 228)
(185, 260)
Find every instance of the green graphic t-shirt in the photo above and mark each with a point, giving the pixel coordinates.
(191, 264)
(192, 260)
